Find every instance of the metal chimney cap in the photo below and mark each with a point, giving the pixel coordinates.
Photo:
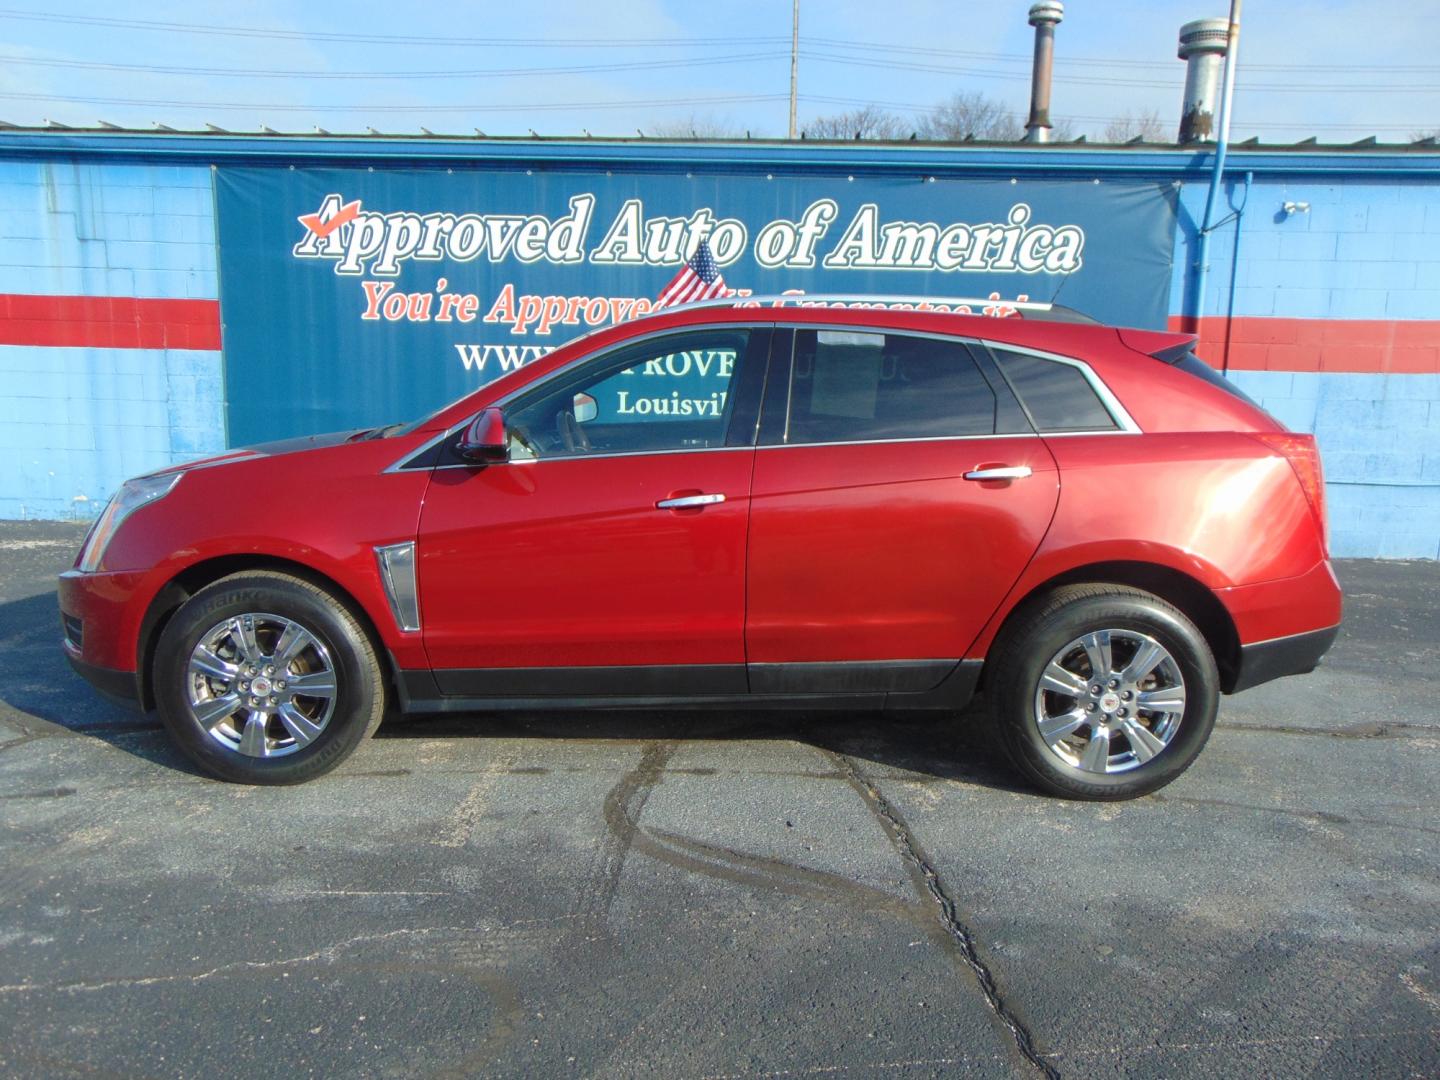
(1049, 13)
(1204, 36)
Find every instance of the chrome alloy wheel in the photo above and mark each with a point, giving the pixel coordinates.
(1110, 701)
(262, 685)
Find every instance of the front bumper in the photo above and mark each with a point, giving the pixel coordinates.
(120, 687)
(99, 626)
(106, 610)
(1274, 659)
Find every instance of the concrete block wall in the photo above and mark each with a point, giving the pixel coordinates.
(1334, 327)
(109, 329)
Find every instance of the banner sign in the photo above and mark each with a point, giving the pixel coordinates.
(353, 297)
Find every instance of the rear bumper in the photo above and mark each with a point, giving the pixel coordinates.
(1289, 607)
(1293, 655)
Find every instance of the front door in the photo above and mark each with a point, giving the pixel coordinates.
(608, 555)
(874, 561)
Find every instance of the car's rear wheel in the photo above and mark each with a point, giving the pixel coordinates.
(1103, 692)
(263, 678)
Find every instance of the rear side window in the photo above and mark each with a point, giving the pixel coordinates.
(862, 386)
(1058, 395)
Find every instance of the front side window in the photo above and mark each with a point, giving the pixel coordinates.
(670, 393)
(865, 386)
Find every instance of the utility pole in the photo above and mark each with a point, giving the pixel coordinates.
(794, 64)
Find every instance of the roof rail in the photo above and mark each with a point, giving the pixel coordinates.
(955, 305)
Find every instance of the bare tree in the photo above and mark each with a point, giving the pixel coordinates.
(1421, 136)
(970, 115)
(1145, 125)
(696, 126)
(871, 122)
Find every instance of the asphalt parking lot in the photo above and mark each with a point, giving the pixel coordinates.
(725, 894)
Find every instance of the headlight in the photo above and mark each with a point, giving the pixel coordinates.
(133, 494)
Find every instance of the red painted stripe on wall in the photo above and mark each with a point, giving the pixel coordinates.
(1370, 346)
(109, 322)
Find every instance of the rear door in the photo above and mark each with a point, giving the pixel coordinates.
(882, 537)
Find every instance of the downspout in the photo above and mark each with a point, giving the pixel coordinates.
(1222, 145)
(1238, 213)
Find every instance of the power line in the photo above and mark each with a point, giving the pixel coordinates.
(1098, 80)
(416, 108)
(1105, 61)
(384, 39)
(468, 73)
(652, 42)
(653, 65)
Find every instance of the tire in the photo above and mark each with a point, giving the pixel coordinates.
(1078, 629)
(309, 640)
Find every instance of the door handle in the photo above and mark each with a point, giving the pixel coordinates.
(1006, 472)
(686, 501)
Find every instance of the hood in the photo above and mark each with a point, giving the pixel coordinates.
(270, 449)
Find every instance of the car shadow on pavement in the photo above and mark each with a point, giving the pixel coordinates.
(943, 746)
(39, 694)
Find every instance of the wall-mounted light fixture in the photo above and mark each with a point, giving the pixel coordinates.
(1287, 208)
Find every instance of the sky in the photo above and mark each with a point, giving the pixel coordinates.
(1339, 70)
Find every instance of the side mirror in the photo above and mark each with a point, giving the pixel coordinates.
(485, 441)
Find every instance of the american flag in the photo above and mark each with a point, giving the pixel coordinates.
(698, 279)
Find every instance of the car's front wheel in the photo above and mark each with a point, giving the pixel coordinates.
(263, 678)
(1103, 692)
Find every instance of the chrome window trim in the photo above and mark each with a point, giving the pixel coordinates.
(424, 448)
(778, 446)
(615, 454)
(914, 439)
(1126, 424)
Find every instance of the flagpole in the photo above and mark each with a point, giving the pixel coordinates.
(794, 63)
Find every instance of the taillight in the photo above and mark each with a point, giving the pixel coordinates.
(1304, 457)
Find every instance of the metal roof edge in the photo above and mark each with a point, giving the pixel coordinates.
(1174, 162)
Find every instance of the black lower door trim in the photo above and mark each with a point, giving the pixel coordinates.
(945, 685)
(676, 680)
(849, 677)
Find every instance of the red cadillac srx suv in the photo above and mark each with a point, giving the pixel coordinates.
(826, 504)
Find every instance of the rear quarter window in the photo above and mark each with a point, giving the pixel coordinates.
(1058, 396)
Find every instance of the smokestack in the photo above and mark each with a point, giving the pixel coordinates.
(1044, 18)
(1202, 46)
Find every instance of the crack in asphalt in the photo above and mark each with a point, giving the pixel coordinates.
(963, 939)
(330, 954)
(1384, 729)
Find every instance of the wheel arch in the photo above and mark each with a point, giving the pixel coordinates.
(187, 582)
(1191, 596)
